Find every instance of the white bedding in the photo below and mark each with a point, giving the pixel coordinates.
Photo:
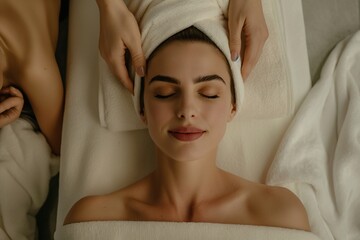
(26, 166)
(319, 157)
(95, 160)
(177, 231)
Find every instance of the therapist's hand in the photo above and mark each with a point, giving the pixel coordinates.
(11, 104)
(247, 32)
(119, 31)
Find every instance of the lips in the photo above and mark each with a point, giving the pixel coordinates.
(186, 134)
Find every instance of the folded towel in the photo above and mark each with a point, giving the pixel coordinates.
(174, 230)
(268, 91)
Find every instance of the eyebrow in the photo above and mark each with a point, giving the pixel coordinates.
(200, 79)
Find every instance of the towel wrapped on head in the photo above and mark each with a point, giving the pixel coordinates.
(160, 19)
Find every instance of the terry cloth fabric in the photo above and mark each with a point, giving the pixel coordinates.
(26, 166)
(174, 230)
(267, 92)
(319, 158)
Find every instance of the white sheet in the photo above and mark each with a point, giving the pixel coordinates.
(177, 231)
(26, 166)
(95, 160)
(320, 155)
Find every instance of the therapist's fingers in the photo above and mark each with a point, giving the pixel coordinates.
(248, 31)
(133, 43)
(254, 40)
(235, 28)
(117, 63)
(119, 32)
(236, 20)
(113, 52)
(132, 40)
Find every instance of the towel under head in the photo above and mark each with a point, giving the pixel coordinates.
(160, 19)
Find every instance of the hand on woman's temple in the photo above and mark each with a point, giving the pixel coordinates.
(119, 31)
(247, 27)
(11, 104)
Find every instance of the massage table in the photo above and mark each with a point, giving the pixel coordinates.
(81, 125)
(90, 159)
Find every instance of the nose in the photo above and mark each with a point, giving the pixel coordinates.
(186, 108)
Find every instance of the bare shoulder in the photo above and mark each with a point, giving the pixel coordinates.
(282, 208)
(97, 208)
(115, 206)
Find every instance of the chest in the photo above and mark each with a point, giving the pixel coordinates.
(228, 212)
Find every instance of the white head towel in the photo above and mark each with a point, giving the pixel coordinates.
(159, 20)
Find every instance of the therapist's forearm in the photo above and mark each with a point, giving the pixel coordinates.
(110, 3)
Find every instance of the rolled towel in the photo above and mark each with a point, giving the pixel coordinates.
(268, 89)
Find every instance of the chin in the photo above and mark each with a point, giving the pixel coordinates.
(187, 153)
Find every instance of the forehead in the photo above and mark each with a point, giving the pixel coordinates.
(187, 60)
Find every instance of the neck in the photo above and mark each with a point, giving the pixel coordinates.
(184, 185)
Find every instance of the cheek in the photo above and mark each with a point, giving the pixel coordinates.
(157, 117)
(219, 111)
(217, 117)
(156, 113)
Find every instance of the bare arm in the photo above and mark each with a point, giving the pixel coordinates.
(46, 95)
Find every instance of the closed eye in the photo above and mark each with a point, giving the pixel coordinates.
(210, 96)
(161, 96)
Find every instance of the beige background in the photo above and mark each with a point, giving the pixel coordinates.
(326, 23)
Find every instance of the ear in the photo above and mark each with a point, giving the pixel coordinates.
(232, 112)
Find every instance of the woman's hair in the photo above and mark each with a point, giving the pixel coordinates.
(190, 34)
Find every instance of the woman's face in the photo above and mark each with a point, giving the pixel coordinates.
(187, 99)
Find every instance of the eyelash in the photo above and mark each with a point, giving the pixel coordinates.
(164, 96)
(210, 97)
(170, 95)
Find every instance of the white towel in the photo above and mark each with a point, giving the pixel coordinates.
(175, 231)
(268, 91)
(26, 166)
(319, 157)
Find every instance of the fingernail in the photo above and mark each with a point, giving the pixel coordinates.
(234, 56)
(140, 71)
